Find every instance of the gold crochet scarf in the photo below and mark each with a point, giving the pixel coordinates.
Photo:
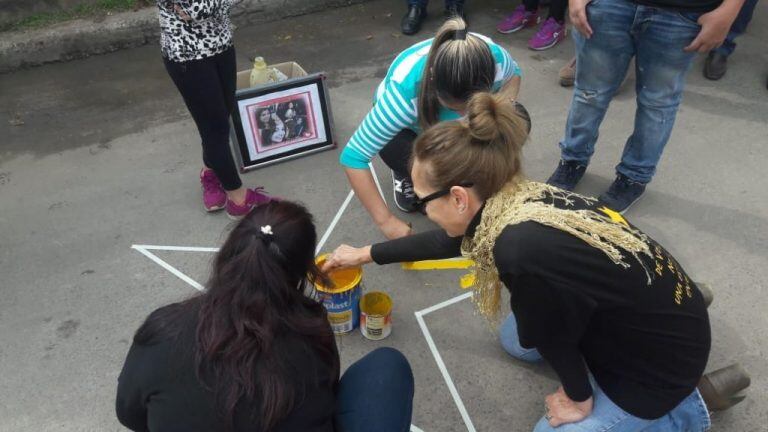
(522, 201)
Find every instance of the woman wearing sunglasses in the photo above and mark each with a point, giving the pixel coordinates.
(610, 310)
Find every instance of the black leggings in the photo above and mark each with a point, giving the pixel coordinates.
(397, 153)
(208, 88)
(556, 8)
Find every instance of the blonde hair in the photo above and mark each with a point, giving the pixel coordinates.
(485, 148)
(459, 64)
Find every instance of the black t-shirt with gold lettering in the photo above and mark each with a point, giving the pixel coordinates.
(642, 331)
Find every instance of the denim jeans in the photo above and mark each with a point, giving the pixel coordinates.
(376, 394)
(423, 3)
(690, 415)
(738, 27)
(656, 38)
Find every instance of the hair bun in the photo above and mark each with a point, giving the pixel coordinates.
(483, 117)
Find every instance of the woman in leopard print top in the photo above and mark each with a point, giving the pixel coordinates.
(206, 33)
(197, 48)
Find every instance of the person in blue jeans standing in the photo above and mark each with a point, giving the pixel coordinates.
(717, 61)
(663, 36)
(417, 13)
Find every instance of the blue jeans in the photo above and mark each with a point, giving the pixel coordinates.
(738, 27)
(690, 415)
(622, 30)
(376, 394)
(423, 3)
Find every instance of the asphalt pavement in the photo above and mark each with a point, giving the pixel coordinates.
(99, 155)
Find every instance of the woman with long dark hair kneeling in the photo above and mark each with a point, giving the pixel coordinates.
(253, 352)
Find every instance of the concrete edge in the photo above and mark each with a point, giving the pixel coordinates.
(82, 38)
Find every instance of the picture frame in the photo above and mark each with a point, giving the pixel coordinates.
(281, 121)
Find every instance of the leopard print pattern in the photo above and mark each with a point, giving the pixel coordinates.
(208, 31)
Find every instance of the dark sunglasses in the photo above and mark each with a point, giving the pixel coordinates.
(421, 203)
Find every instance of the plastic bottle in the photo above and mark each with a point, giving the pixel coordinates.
(259, 74)
(276, 76)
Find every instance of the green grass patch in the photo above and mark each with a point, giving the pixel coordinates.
(100, 8)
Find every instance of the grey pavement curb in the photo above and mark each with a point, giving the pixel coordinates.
(82, 38)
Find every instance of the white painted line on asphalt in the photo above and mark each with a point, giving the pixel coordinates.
(168, 267)
(439, 359)
(445, 303)
(177, 248)
(415, 429)
(376, 180)
(335, 221)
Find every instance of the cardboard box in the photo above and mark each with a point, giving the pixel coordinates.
(290, 69)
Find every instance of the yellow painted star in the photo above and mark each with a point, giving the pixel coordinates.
(466, 281)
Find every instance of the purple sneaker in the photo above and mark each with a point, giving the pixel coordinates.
(550, 33)
(519, 20)
(253, 198)
(214, 197)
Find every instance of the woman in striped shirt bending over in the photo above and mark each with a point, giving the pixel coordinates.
(427, 83)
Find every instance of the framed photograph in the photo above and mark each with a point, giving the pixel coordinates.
(280, 121)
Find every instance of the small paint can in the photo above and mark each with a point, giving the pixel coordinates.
(342, 300)
(376, 315)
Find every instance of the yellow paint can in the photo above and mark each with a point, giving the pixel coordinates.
(376, 315)
(342, 300)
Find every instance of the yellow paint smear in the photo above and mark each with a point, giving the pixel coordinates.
(438, 264)
(467, 281)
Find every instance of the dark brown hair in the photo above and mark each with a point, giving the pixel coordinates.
(254, 303)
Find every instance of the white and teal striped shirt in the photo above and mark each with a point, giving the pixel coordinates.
(396, 101)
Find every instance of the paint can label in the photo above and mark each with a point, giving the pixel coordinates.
(341, 322)
(343, 310)
(376, 315)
